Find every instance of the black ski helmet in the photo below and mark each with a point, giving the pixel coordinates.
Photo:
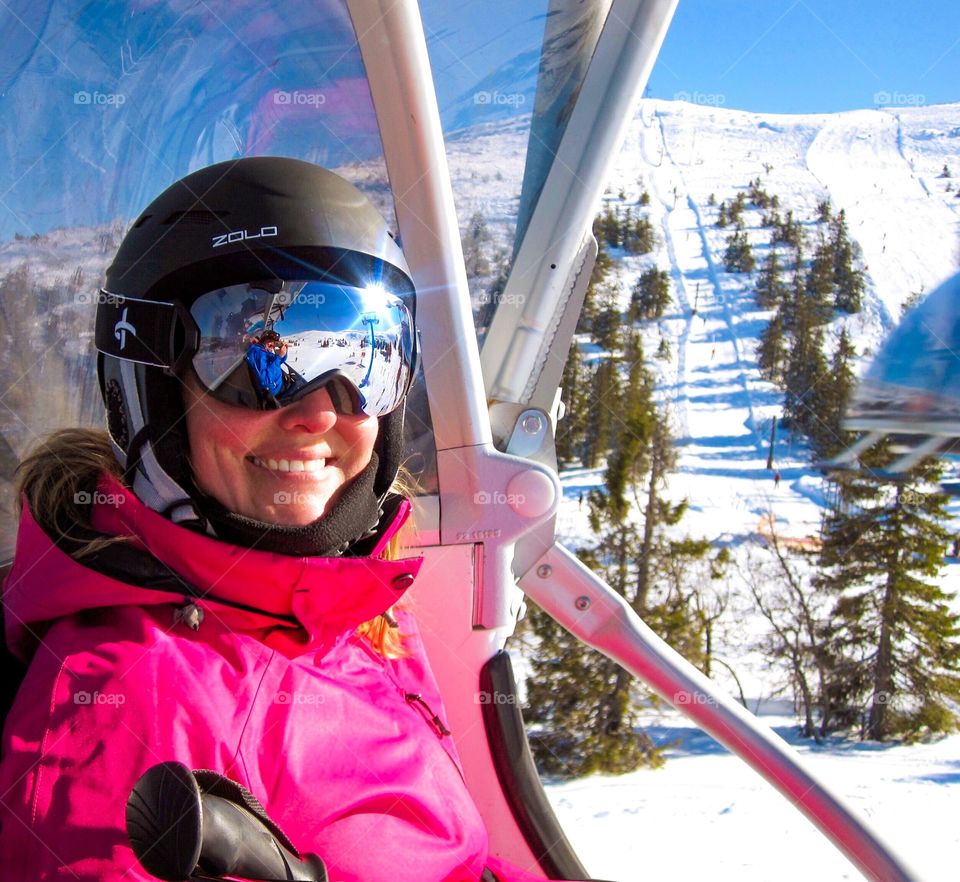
(242, 220)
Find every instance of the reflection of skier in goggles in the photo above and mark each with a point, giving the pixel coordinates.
(216, 580)
(265, 357)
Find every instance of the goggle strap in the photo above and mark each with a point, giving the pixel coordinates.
(136, 330)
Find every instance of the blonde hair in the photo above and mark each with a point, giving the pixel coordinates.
(58, 478)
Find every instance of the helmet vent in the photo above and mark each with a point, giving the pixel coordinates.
(142, 221)
(196, 218)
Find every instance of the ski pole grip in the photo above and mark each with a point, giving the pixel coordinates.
(178, 832)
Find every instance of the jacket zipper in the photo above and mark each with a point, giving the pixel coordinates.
(415, 698)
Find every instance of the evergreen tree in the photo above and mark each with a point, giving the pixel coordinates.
(830, 399)
(820, 284)
(650, 296)
(770, 289)
(608, 322)
(601, 269)
(738, 257)
(637, 236)
(722, 219)
(571, 430)
(806, 368)
(735, 212)
(604, 398)
(894, 641)
(848, 279)
(584, 707)
(772, 351)
(789, 231)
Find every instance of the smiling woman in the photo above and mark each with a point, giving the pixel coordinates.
(216, 582)
(285, 466)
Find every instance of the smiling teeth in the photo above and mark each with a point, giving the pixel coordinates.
(290, 465)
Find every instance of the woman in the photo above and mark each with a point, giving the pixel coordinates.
(216, 582)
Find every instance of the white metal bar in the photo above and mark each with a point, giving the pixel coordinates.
(595, 614)
(861, 445)
(906, 462)
(394, 50)
(523, 334)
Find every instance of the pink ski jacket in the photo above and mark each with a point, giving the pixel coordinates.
(346, 749)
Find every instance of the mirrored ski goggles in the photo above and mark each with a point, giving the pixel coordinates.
(267, 344)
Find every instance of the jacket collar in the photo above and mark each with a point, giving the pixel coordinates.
(246, 589)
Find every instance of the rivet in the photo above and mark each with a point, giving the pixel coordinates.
(544, 571)
(402, 582)
(582, 603)
(532, 424)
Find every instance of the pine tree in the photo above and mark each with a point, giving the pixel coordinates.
(608, 322)
(806, 367)
(770, 289)
(584, 707)
(601, 269)
(650, 296)
(738, 257)
(848, 279)
(604, 398)
(772, 351)
(820, 286)
(582, 704)
(637, 236)
(895, 643)
(829, 401)
(571, 430)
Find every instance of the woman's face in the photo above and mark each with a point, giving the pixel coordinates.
(285, 466)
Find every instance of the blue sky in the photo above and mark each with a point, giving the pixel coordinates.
(804, 56)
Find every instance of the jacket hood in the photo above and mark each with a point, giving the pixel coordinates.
(297, 604)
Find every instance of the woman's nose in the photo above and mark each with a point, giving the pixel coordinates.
(313, 413)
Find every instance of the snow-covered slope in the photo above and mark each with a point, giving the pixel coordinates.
(705, 815)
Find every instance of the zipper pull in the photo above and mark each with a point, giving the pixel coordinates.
(435, 721)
